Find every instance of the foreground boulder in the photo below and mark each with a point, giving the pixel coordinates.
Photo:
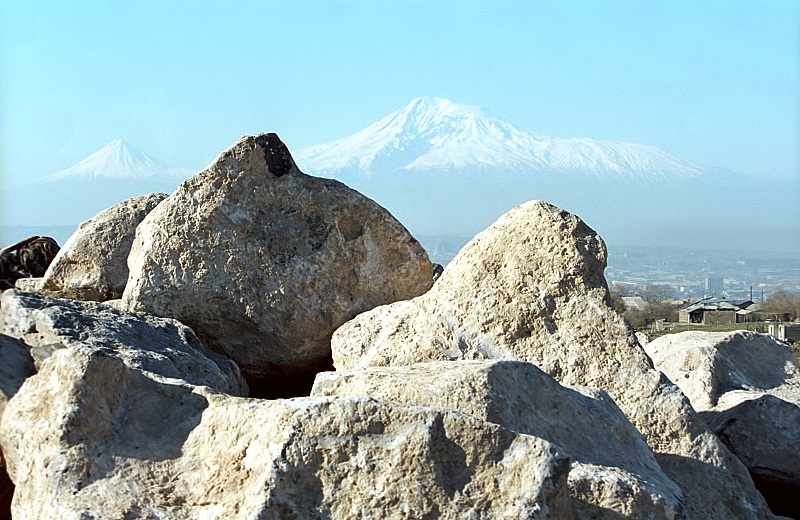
(612, 472)
(531, 288)
(146, 343)
(265, 262)
(103, 447)
(747, 388)
(93, 263)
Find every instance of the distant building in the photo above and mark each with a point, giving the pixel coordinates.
(785, 331)
(714, 285)
(716, 311)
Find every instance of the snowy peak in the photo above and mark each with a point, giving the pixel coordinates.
(437, 134)
(431, 114)
(116, 160)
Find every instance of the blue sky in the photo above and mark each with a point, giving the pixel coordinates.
(713, 82)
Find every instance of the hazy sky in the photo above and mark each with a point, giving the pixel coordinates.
(712, 82)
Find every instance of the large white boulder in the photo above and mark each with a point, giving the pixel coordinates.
(747, 387)
(531, 288)
(92, 437)
(612, 472)
(93, 263)
(265, 262)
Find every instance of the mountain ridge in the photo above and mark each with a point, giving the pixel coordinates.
(436, 134)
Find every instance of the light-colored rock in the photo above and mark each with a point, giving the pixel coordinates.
(747, 387)
(264, 262)
(93, 263)
(29, 284)
(16, 365)
(707, 365)
(91, 437)
(147, 343)
(531, 288)
(613, 472)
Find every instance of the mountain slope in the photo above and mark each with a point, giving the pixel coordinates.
(116, 160)
(436, 134)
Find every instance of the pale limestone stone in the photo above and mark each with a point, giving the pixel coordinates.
(707, 365)
(29, 284)
(92, 437)
(264, 262)
(613, 472)
(747, 387)
(93, 263)
(531, 288)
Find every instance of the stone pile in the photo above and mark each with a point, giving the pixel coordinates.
(747, 387)
(507, 389)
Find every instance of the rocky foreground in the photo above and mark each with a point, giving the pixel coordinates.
(266, 344)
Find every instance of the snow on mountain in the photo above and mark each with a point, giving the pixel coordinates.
(436, 134)
(116, 160)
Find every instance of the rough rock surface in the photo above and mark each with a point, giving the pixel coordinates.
(93, 263)
(613, 472)
(747, 388)
(16, 365)
(87, 437)
(707, 365)
(147, 343)
(264, 262)
(531, 288)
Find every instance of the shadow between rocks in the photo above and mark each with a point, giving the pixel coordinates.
(781, 497)
(282, 384)
(6, 494)
(696, 473)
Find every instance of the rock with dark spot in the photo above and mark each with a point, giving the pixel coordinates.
(265, 262)
(279, 160)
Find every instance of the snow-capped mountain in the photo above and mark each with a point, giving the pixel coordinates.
(436, 134)
(116, 160)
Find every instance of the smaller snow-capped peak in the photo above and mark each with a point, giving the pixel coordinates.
(116, 160)
(437, 134)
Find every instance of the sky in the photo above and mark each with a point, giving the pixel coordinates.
(711, 82)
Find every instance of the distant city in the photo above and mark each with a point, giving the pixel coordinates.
(671, 273)
(679, 274)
